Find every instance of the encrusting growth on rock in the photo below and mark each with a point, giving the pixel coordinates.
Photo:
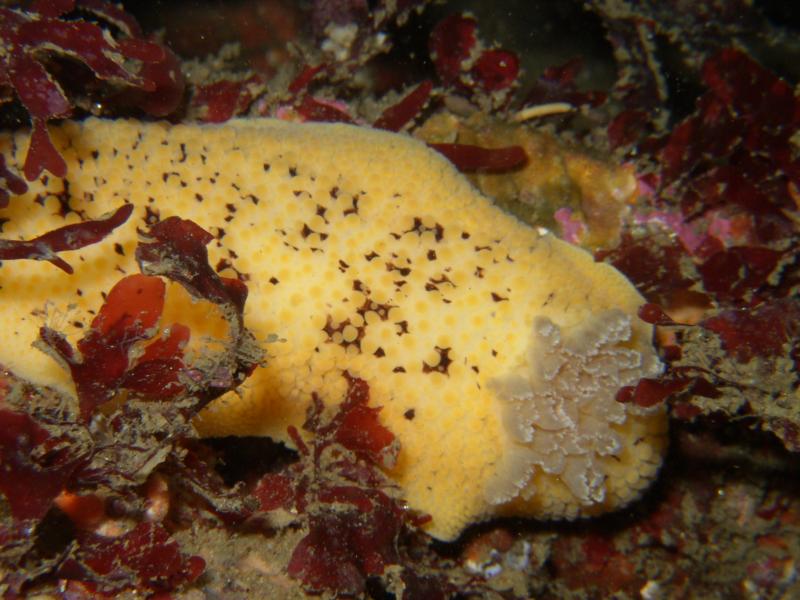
(495, 352)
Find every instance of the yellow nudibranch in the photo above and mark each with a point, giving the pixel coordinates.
(494, 350)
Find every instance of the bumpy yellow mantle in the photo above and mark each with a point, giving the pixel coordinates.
(494, 351)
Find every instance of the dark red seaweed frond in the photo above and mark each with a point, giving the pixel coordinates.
(128, 430)
(176, 248)
(36, 465)
(44, 29)
(145, 558)
(353, 517)
(221, 100)
(68, 237)
(469, 158)
(395, 117)
(102, 363)
(466, 66)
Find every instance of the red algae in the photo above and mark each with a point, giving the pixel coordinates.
(222, 100)
(558, 84)
(451, 43)
(11, 183)
(397, 116)
(761, 332)
(496, 70)
(738, 273)
(470, 158)
(312, 109)
(467, 67)
(657, 270)
(25, 33)
(353, 520)
(53, 450)
(102, 365)
(144, 558)
(68, 237)
(35, 468)
(717, 242)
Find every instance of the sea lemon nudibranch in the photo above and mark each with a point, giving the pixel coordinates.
(494, 351)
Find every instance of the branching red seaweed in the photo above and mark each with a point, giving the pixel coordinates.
(36, 465)
(136, 395)
(68, 237)
(143, 558)
(44, 29)
(723, 184)
(102, 365)
(353, 517)
(176, 248)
